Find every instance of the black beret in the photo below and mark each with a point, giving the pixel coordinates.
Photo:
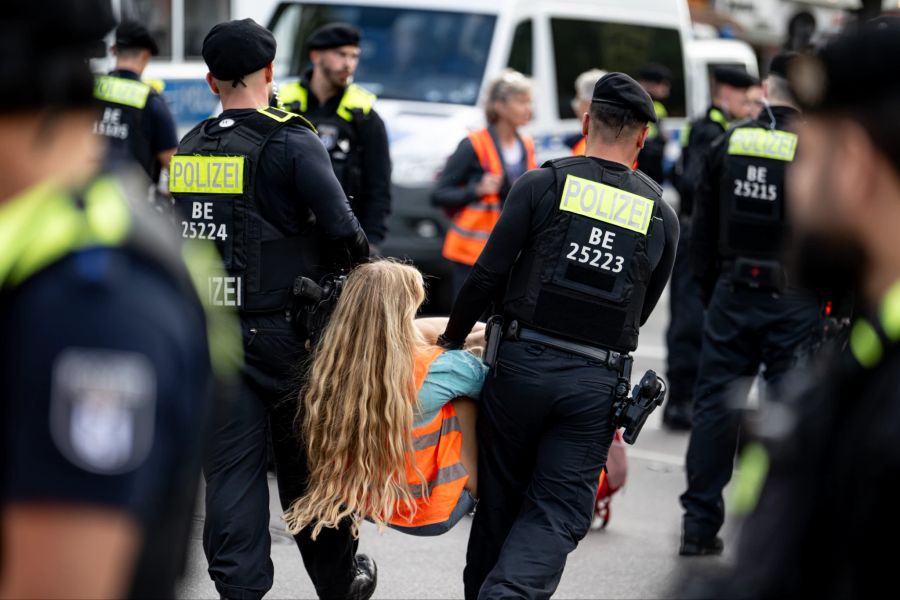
(45, 46)
(781, 63)
(735, 77)
(619, 89)
(236, 48)
(850, 72)
(655, 72)
(131, 34)
(333, 35)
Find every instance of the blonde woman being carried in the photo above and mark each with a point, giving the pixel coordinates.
(390, 434)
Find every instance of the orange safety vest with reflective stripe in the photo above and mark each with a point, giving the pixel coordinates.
(580, 148)
(473, 224)
(438, 454)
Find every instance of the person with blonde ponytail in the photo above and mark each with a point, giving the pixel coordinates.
(389, 431)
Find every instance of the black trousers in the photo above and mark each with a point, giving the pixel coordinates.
(544, 429)
(236, 536)
(744, 329)
(685, 330)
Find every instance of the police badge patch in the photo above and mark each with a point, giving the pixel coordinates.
(103, 409)
(329, 136)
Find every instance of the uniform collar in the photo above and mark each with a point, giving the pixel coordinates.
(125, 74)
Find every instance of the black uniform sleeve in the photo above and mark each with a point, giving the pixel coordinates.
(704, 242)
(376, 177)
(317, 186)
(163, 134)
(456, 185)
(521, 215)
(663, 267)
(104, 407)
(703, 133)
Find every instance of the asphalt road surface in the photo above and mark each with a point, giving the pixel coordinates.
(635, 557)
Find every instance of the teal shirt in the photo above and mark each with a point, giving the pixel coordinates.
(453, 374)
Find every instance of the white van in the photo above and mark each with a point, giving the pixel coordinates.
(429, 62)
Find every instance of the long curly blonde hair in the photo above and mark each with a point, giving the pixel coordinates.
(359, 402)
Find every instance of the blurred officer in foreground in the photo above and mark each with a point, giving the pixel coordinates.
(581, 103)
(258, 182)
(730, 102)
(756, 313)
(586, 246)
(829, 465)
(104, 357)
(479, 175)
(657, 80)
(135, 119)
(351, 130)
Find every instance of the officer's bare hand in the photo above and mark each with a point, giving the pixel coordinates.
(489, 184)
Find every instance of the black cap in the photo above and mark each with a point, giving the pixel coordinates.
(619, 89)
(131, 34)
(333, 35)
(236, 48)
(45, 46)
(735, 77)
(781, 63)
(854, 71)
(654, 72)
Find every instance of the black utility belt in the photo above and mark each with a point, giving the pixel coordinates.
(615, 361)
(756, 273)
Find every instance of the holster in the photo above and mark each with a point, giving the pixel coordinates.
(766, 275)
(493, 332)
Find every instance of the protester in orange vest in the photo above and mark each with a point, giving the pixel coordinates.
(479, 175)
(388, 434)
(581, 103)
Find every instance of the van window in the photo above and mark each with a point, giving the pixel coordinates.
(582, 45)
(521, 57)
(407, 54)
(156, 16)
(199, 18)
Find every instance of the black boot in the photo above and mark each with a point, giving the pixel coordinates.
(694, 546)
(363, 585)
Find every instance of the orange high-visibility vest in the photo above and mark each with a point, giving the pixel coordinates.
(438, 454)
(473, 224)
(580, 148)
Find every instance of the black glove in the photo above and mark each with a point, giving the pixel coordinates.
(446, 344)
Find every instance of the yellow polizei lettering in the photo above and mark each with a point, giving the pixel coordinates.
(607, 204)
(121, 91)
(206, 174)
(763, 143)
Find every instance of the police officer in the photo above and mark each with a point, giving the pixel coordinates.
(683, 336)
(657, 80)
(757, 315)
(348, 125)
(104, 358)
(825, 475)
(135, 120)
(586, 246)
(257, 181)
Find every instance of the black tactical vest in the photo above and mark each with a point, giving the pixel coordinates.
(753, 222)
(213, 182)
(123, 102)
(585, 275)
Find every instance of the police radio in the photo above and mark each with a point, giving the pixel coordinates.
(632, 412)
(314, 303)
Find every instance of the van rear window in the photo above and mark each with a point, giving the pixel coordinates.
(406, 53)
(581, 45)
